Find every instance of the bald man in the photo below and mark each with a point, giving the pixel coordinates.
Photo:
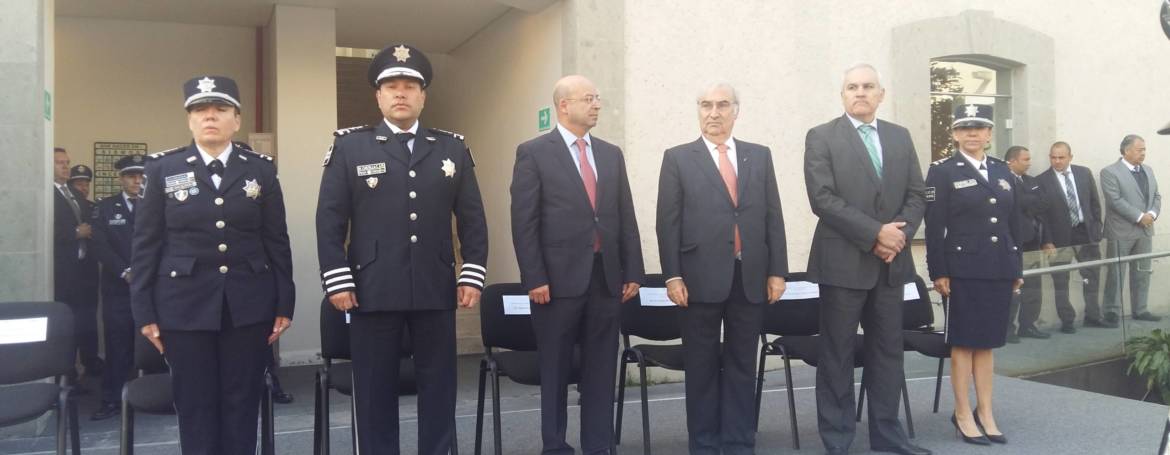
(577, 245)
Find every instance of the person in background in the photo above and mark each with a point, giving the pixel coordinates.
(1033, 204)
(1132, 204)
(74, 269)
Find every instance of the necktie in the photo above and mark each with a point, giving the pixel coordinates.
(1143, 182)
(131, 202)
(1070, 194)
(215, 167)
(871, 146)
(590, 181)
(727, 171)
(404, 139)
(983, 170)
(73, 205)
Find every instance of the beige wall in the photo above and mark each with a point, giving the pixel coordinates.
(122, 81)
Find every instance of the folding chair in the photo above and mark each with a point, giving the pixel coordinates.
(795, 322)
(658, 323)
(36, 343)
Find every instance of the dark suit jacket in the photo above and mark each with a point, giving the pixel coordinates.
(853, 203)
(73, 278)
(113, 236)
(1056, 219)
(1033, 205)
(696, 222)
(553, 224)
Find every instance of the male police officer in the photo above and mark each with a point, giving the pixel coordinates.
(211, 271)
(85, 283)
(113, 232)
(391, 189)
(80, 178)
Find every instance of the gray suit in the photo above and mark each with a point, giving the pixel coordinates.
(853, 202)
(1125, 203)
(696, 241)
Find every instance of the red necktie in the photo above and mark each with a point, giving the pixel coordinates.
(590, 180)
(729, 179)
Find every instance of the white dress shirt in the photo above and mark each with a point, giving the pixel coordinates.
(571, 141)
(413, 130)
(223, 158)
(980, 165)
(1064, 187)
(730, 152)
(877, 142)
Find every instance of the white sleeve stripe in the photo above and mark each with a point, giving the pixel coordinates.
(472, 281)
(468, 273)
(340, 286)
(474, 266)
(335, 272)
(339, 278)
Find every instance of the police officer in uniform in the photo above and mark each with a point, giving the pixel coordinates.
(391, 189)
(85, 283)
(973, 221)
(113, 232)
(211, 271)
(80, 178)
(74, 270)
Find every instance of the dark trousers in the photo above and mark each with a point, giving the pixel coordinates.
(879, 312)
(375, 344)
(218, 378)
(720, 380)
(591, 320)
(119, 333)
(271, 367)
(79, 292)
(1025, 306)
(1086, 251)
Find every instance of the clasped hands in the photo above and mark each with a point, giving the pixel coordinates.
(890, 241)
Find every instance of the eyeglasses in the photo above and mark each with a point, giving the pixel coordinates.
(588, 99)
(722, 106)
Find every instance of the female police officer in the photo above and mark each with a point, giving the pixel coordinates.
(211, 271)
(972, 221)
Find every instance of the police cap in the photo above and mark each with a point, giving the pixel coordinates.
(973, 116)
(400, 60)
(80, 172)
(131, 164)
(211, 89)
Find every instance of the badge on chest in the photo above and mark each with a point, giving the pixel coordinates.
(965, 184)
(180, 186)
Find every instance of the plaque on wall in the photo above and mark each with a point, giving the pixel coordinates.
(105, 176)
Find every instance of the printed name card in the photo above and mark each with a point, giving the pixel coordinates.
(654, 297)
(517, 305)
(28, 330)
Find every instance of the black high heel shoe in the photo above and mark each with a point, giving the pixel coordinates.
(980, 440)
(996, 438)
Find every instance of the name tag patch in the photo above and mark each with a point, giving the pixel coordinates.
(178, 182)
(965, 183)
(371, 169)
(930, 194)
(118, 222)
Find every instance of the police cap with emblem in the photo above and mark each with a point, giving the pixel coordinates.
(973, 116)
(131, 164)
(80, 172)
(211, 89)
(400, 60)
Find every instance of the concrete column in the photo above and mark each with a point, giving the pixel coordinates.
(26, 132)
(594, 40)
(304, 110)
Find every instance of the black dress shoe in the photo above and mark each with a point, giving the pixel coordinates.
(996, 438)
(282, 397)
(905, 448)
(1068, 328)
(1032, 332)
(1100, 323)
(980, 440)
(1146, 316)
(106, 411)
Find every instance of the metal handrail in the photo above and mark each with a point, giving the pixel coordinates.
(1094, 263)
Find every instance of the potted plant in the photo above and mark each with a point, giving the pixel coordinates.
(1150, 356)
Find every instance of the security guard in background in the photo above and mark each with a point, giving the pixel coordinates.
(74, 269)
(391, 189)
(211, 271)
(81, 178)
(85, 283)
(113, 232)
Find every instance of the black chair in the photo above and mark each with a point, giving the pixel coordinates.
(23, 362)
(927, 339)
(339, 376)
(151, 393)
(518, 361)
(658, 323)
(795, 323)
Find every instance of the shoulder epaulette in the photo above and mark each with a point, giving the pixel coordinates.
(247, 151)
(995, 160)
(157, 155)
(352, 129)
(938, 162)
(447, 133)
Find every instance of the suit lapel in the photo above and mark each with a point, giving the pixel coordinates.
(708, 168)
(847, 131)
(233, 172)
(390, 145)
(1153, 186)
(560, 153)
(1082, 175)
(422, 147)
(744, 171)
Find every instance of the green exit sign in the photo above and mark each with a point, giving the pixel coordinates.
(544, 119)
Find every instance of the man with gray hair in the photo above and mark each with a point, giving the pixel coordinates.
(865, 185)
(723, 253)
(1132, 203)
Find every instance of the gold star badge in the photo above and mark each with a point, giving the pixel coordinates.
(251, 189)
(402, 53)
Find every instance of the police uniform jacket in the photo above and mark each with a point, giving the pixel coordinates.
(972, 223)
(395, 209)
(1033, 205)
(113, 232)
(198, 250)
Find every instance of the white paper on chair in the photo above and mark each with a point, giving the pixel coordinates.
(910, 292)
(517, 305)
(801, 290)
(28, 330)
(654, 297)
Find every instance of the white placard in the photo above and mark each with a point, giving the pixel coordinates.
(654, 297)
(801, 290)
(910, 292)
(28, 330)
(517, 305)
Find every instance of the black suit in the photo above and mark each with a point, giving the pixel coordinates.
(696, 226)
(554, 229)
(1033, 205)
(857, 287)
(1082, 238)
(75, 271)
(113, 234)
